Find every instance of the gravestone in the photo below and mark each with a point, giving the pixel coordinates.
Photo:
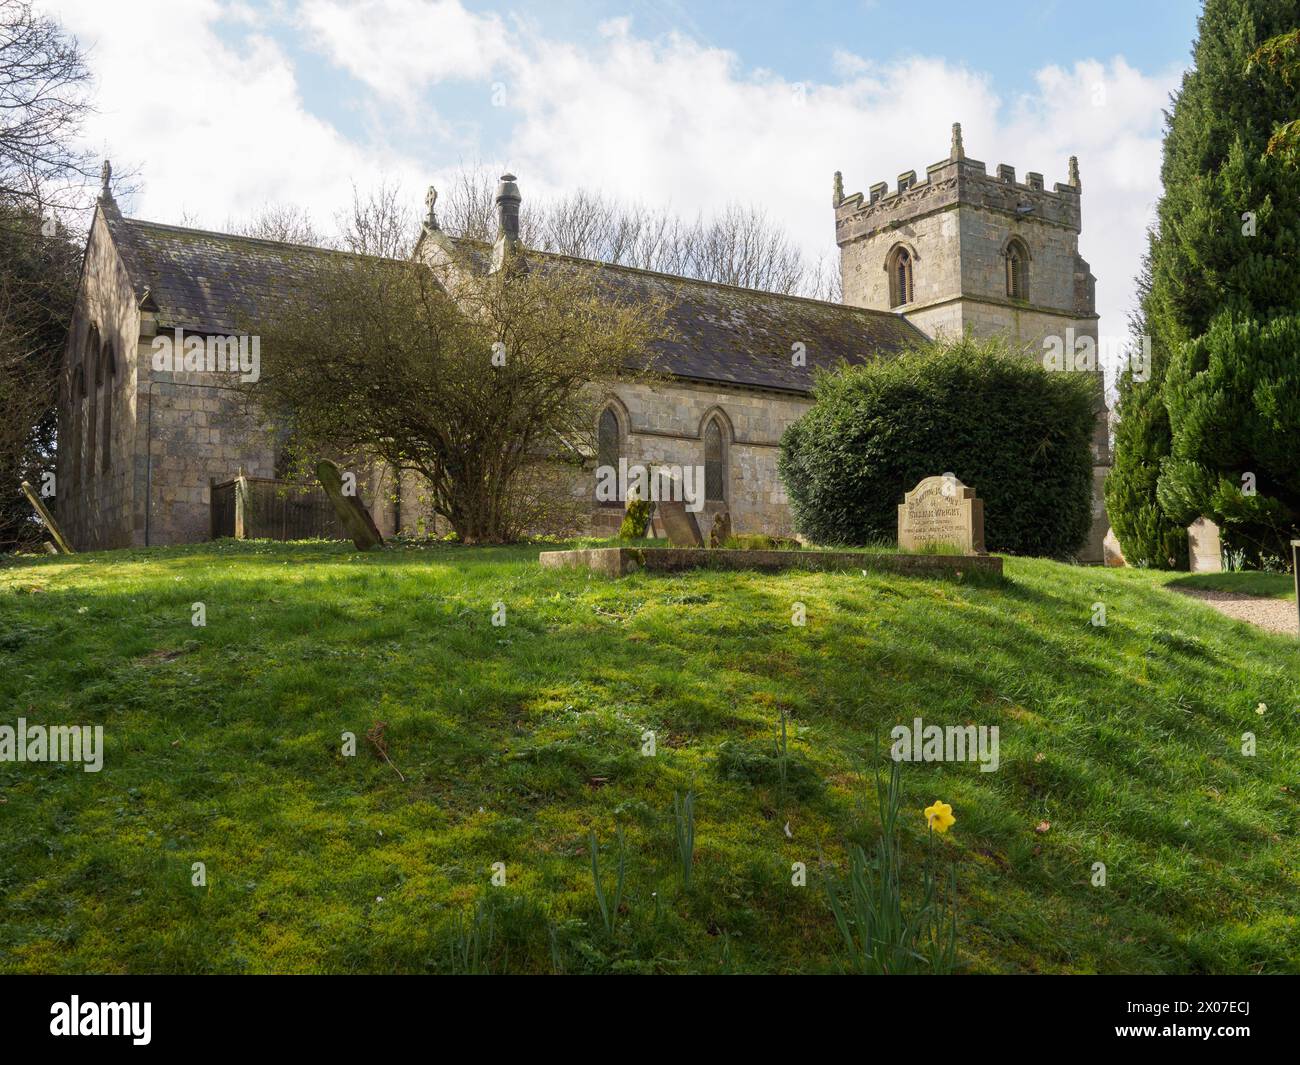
(679, 523)
(354, 517)
(60, 541)
(721, 531)
(1112, 554)
(941, 510)
(1204, 548)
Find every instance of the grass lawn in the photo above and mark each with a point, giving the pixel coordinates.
(1267, 585)
(223, 746)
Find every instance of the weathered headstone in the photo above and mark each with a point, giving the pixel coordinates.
(679, 523)
(1204, 548)
(1111, 552)
(56, 534)
(354, 517)
(941, 510)
(720, 533)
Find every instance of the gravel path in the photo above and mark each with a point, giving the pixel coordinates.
(1275, 615)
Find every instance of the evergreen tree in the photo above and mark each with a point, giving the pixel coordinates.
(1147, 537)
(1225, 243)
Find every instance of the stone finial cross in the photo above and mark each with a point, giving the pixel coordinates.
(958, 150)
(105, 176)
(431, 198)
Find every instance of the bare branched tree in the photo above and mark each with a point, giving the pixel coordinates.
(381, 222)
(44, 86)
(283, 222)
(738, 246)
(474, 380)
(38, 278)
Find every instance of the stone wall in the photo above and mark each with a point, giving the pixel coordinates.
(94, 503)
(664, 423)
(195, 428)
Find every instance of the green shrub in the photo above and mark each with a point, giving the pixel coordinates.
(1015, 432)
(636, 520)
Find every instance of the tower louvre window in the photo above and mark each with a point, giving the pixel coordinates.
(1017, 271)
(900, 277)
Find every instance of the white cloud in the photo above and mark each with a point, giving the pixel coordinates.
(667, 121)
(399, 47)
(214, 131)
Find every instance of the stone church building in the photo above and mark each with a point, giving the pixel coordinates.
(963, 250)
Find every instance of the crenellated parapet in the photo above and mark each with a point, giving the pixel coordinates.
(957, 180)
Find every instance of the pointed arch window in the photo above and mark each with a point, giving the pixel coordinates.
(1017, 270)
(77, 390)
(108, 375)
(607, 445)
(901, 291)
(92, 407)
(715, 481)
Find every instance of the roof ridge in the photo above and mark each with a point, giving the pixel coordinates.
(623, 267)
(257, 240)
(693, 280)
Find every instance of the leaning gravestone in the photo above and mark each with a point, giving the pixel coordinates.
(1204, 548)
(941, 510)
(60, 541)
(679, 523)
(354, 517)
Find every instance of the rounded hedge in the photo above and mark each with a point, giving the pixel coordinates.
(1018, 434)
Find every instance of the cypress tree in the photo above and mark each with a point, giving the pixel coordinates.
(1224, 243)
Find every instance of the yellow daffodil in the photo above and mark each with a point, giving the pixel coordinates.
(939, 816)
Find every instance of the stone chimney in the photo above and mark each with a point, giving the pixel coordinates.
(507, 244)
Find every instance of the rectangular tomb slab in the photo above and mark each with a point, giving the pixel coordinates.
(619, 561)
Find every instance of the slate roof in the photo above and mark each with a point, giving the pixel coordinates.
(206, 282)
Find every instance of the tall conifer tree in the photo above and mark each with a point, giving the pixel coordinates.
(1224, 244)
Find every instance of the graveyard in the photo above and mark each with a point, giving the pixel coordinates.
(499, 713)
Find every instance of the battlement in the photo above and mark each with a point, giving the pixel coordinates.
(956, 180)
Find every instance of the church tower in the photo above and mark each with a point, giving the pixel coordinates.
(965, 251)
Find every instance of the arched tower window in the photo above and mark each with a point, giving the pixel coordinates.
(607, 445)
(1017, 270)
(901, 291)
(715, 481)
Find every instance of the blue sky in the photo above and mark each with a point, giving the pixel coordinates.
(797, 40)
(688, 106)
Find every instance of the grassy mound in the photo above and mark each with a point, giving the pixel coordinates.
(223, 746)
